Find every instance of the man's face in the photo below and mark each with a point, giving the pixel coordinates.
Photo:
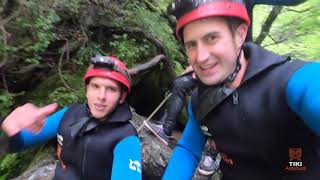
(212, 48)
(103, 96)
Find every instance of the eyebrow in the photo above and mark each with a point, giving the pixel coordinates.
(212, 33)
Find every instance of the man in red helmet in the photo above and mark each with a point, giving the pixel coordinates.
(261, 109)
(95, 139)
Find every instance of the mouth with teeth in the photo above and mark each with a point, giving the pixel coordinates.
(208, 69)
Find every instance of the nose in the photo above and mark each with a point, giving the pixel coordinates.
(101, 94)
(203, 53)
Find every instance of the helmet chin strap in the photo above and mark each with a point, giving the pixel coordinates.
(233, 75)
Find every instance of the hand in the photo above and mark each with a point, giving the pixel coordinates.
(189, 69)
(184, 84)
(27, 116)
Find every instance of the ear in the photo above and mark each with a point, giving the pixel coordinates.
(241, 34)
(123, 97)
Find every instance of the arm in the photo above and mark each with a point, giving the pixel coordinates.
(181, 87)
(28, 117)
(26, 139)
(186, 155)
(303, 95)
(279, 2)
(127, 159)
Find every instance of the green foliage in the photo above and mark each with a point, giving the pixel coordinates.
(86, 52)
(73, 6)
(64, 96)
(7, 163)
(6, 103)
(7, 49)
(153, 22)
(131, 50)
(13, 164)
(178, 68)
(35, 29)
(164, 4)
(53, 90)
(296, 29)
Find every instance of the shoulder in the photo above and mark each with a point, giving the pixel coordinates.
(129, 129)
(76, 107)
(304, 76)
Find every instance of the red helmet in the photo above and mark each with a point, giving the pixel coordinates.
(109, 67)
(187, 11)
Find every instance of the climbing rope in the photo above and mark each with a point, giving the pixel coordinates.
(155, 111)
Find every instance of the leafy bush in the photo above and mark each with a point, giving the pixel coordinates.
(64, 96)
(12, 165)
(35, 29)
(154, 23)
(6, 103)
(130, 49)
(54, 90)
(85, 53)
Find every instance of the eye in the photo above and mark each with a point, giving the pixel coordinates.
(94, 86)
(112, 89)
(211, 38)
(190, 46)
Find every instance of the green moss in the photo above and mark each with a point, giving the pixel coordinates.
(6, 102)
(131, 50)
(54, 90)
(14, 164)
(159, 28)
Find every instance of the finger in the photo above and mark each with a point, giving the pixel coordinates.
(48, 109)
(194, 76)
(187, 70)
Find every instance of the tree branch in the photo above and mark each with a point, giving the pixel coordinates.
(268, 23)
(301, 11)
(282, 40)
(5, 85)
(4, 32)
(145, 66)
(64, 49)
(6, 20)
(5, 56)
(136, 30)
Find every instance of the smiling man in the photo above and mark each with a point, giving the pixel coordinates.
(261, 109)
(95, 138)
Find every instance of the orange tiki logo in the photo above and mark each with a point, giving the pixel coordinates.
(295, 160)
(226, 159)
(295, 154)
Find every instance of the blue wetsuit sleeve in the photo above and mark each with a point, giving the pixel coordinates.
(187, 153)
(26, 139)
(279, 2)
(127, 159)
(303, 95)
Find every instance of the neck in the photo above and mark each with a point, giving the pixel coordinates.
(237, 81)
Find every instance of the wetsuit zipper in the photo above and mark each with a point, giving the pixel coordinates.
(235, 99)
(84, 157)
